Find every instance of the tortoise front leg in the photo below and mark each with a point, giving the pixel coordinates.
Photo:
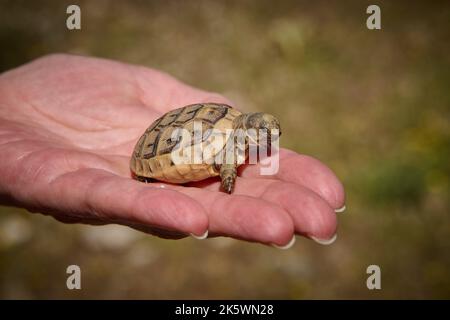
(228, 173)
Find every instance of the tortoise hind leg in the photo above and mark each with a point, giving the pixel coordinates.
(228, 173)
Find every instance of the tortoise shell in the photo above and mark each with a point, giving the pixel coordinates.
(152, 156)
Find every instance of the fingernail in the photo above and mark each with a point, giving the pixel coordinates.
(325, 242)
(203, 236)
(287, 246)
(340, 209)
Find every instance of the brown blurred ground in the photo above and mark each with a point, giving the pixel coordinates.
(374, 105)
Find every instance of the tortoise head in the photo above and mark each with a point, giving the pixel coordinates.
(262, 121)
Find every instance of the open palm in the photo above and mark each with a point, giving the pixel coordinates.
(68, 126)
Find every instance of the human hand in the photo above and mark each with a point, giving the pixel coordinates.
(68, 126)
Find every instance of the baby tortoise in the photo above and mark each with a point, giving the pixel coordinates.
(152, 157)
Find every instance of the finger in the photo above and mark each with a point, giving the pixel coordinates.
(110, 198)
(232, 216)
(243, 217)
(162, 233)
(73, 220)
(311, 215)
(306, 171)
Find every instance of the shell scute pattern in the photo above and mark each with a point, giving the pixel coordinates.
(152, 154)
(156, 154)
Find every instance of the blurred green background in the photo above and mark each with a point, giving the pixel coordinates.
(373, 105)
